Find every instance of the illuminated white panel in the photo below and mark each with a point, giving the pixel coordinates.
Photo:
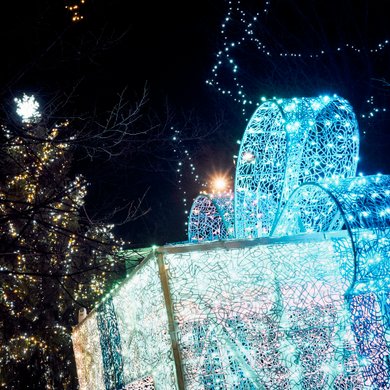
(88, 354)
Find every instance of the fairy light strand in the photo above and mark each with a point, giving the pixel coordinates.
(242, 31)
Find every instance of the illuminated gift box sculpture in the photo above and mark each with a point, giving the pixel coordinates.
(305, 305)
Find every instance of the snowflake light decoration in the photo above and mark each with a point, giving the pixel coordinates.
(28, 109)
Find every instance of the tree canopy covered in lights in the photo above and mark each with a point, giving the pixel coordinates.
(53, 259)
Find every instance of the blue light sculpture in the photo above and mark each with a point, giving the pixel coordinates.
(288, 142)
(304, 306)
(211, 218)
(296, 174)
(362, 206)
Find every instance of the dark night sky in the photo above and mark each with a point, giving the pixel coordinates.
(172, 46)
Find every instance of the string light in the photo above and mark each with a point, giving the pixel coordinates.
(75, 9)
(186, 171)
(248, 36)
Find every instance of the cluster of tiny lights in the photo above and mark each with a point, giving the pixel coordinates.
(38, 186)
(75, 10)
(372, 110)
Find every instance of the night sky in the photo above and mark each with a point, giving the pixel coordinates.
(303, 48)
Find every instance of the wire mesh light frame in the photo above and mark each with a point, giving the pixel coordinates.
(286, 311)
(289, 142)
(211, 218)
(296, 173)
(362, 206)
